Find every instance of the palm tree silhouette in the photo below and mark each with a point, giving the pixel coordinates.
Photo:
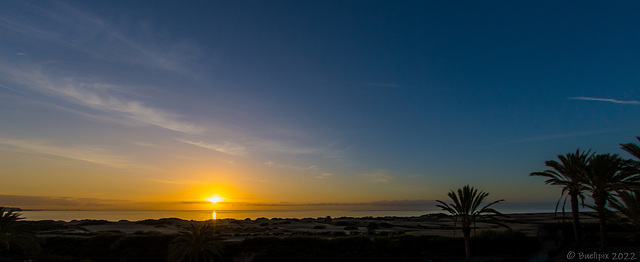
(196, 243)
(568, 173)
(628, 203)
(634, 150)
(11, 237)
(633, 164)
(465, 209)
(605, 175)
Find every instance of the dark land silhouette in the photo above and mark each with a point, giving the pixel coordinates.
(429, 237)
(613, 227)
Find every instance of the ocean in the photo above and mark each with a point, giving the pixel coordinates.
(201, 215)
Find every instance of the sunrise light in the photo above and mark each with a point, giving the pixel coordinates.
(215, 199)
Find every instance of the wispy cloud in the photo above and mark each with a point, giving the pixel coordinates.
(93, 154)
(325, 175)
(175, 182)
(379, 176)
(99, 38)
(51, 202)
(230, 162)
(281, 147)
(558, 136)
(13, 90)
(632, 102)
(381, 84)
(95, 95)
(289, 166)
(143, 144)
(226, 147)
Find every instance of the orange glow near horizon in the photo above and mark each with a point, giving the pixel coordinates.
(215, 199)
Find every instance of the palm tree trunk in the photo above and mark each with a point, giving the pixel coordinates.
(602, 213)
(603, 233)
(466, 231)
(575, 212)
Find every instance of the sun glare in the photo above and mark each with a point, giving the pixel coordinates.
(215, 199)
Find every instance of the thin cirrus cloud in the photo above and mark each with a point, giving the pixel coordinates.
(381, 85)
(289, 166)
(631, 102)
(97, 38)
(379, 177)
(175, 182)
(144, 144)
(92, 154)
(282, 147)
(96, 96)
(325, 175)
(54, 202)
(558, 136)
(227, 147)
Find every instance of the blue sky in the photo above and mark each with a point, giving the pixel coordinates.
(308, 101)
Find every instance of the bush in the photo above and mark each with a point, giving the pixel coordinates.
(158, 222)
(417, 248)
(43, 225)
(338, 233)
(88, 222)
(141, 248)
(95, 248)
(344, 223)
(106, 247)
(386, 225)
(508, 243)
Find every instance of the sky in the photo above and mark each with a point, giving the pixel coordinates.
(152, 105)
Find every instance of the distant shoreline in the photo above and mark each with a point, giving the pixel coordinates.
(203, 215)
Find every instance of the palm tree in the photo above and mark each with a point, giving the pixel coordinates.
(634, 150)
(197, 243)
(567, 173)
(606, 174)
(633, 165)
(630, 209)
(7, 222)
(465, 209)
(630, 205)
(12, 237)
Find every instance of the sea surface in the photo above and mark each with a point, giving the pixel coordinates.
(201, 215)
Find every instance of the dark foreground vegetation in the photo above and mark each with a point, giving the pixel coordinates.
(610, 180)
(551, 244)
(508, 246)
(47, 241)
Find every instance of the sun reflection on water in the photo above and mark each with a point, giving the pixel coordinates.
(214, 216)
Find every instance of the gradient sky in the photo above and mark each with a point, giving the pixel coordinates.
(292, 104)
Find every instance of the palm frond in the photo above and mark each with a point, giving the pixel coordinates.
(466, 206)
(196, 243)
(628, 204)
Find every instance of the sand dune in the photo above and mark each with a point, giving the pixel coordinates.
(232, 229)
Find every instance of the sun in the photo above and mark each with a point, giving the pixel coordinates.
(215, 199)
